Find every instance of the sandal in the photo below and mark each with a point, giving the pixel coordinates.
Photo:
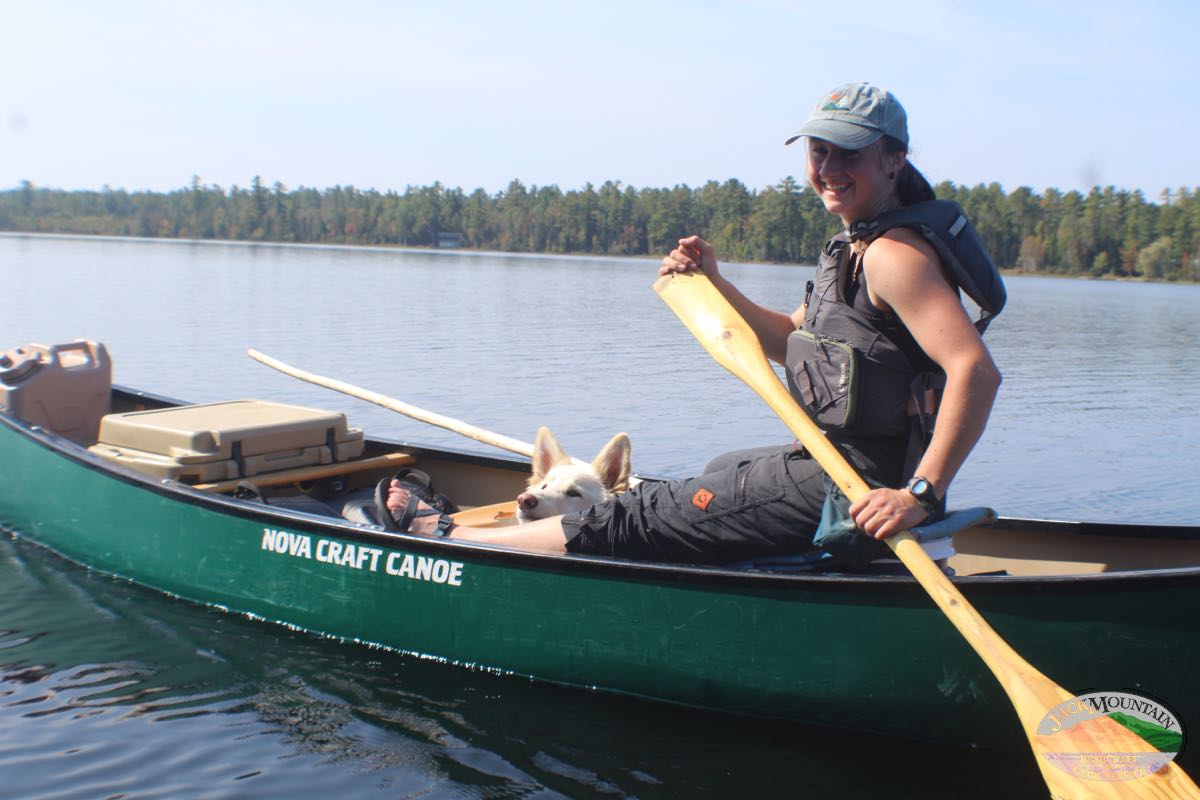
(402, 522)
(422, 484)
(248, 491)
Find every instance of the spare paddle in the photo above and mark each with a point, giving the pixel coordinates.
(449, 423)
(730, 340)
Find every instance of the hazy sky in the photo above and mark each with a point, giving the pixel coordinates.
(144, 95)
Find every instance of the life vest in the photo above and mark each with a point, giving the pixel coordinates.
(858, 371)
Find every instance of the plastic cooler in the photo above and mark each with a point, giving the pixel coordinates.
(225, 441)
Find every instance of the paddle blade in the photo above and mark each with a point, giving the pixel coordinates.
(1102, 759)
(714, 323)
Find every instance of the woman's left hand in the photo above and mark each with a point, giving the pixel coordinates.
(885, 512)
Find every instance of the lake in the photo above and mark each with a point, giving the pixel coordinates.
(110, 690)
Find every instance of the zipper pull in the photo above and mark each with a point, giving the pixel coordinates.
(808, 290)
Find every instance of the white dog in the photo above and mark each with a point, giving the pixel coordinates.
(560, 485)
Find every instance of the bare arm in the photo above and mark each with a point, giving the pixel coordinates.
(903, 274)
(771, 327)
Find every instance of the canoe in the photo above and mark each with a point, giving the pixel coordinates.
(1094, 605)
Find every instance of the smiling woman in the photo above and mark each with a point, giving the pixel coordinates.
(883, 345)
(834, 171)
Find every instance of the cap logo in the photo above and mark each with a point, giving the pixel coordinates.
(837, 102)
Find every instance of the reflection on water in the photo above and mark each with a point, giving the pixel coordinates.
(106, 688)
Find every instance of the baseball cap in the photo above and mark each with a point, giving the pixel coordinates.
(855, 115)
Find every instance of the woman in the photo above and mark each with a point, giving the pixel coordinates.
(893, 293)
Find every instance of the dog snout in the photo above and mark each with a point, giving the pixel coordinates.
(527, 501)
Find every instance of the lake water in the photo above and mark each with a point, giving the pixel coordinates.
(109, 690)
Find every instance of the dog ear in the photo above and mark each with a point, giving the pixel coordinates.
(547, 453)
(613, 465)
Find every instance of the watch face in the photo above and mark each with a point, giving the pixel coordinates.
(919, 486)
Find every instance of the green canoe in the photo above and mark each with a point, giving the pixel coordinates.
(1094, 606)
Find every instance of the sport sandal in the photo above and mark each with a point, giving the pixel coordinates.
(424, 487)
(402, 521)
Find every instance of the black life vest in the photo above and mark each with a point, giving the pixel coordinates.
(858, 371)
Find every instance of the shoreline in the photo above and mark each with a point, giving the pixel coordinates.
(398, 248)
(1016, 272)
(1007, 272)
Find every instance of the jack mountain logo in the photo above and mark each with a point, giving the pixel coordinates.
(837, 102)
(1149, 719)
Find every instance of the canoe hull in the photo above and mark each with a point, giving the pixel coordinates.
(863, 653)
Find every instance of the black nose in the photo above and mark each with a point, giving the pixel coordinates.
(526, 500)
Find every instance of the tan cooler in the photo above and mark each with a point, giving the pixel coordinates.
(225, 441)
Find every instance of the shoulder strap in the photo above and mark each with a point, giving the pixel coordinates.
(944, 224)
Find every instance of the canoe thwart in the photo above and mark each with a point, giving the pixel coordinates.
(391, 460)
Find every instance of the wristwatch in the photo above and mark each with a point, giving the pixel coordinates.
(923, 491)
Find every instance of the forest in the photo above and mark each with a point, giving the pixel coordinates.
(1108, 232)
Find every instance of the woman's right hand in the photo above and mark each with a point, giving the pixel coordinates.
(691, 254)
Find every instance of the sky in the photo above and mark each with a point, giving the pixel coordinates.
(144, 95)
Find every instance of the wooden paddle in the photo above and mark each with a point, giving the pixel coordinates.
(449, 423)
(730, 340)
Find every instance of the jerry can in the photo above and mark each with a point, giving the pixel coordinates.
(64, 388)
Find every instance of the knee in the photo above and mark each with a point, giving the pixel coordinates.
(719, 463)
(732, 459)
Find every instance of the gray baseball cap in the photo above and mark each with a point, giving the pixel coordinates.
(855, 115)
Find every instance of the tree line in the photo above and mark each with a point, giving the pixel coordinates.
(1106, 232)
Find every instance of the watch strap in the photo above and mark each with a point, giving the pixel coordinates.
(922, 489)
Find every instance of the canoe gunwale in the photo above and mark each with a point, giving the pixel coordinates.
(1114, 529)
(710, 576)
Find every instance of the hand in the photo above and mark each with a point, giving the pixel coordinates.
(885, 512)
(691, 254)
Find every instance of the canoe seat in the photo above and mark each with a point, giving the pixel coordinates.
(357, 506)
(936, 538)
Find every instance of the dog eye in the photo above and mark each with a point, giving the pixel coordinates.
(573, 493)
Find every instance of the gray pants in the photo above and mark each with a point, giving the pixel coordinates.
(747, 504)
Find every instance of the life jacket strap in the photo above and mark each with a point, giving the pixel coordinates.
(924, 400)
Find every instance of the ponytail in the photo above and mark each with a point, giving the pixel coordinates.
(911, 185)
